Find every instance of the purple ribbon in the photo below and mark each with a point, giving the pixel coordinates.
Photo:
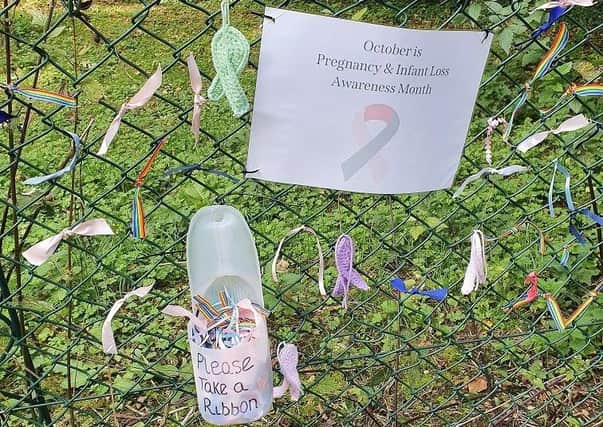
(344, 257)
(436, 294)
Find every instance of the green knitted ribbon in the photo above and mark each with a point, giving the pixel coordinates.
(230, 52)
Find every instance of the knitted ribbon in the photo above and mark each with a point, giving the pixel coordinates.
(570, 202)
(68, 168)
(380, 112)
(41, 251)
(569, 125)
(493, 123)
(141, 98)
(528, 296)
(593, 89)
(506, 171)
(198, 100)
(42, 95)
(177, 311)
(562, 322)
(108, 340)
(321, 262)
(565, 3)
(437, 294)
(477, 269)
(5, 117)
(541, 69)
(287, 359)
(138, 225)
(347, 274)
(230, 52)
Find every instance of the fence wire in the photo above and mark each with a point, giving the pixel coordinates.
(389, 359)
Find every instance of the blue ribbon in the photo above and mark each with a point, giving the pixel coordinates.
(554, 15)
(69, 168)
(5, 117)
(437, 294)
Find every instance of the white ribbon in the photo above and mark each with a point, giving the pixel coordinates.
(571, 124)
(565, 3)
(321, 261)
(41, 251)
(506, 171)
(108, 340)
(177, 311)
(195, 79)
(141, 98)
(477, 269)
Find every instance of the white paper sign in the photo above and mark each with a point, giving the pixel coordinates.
(362, 107)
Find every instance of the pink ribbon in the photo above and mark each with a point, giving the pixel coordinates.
(141, 98)
(477, 269)
(571, 124)
(195, 78)
(565, 3)
(40, 252)
(287, 360)
(177, 311)
(108, 340)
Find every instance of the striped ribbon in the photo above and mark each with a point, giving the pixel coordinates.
(562, 322)
(138, 223)
(542, 68)
(223, 311)
(43, 95)
(593, 89)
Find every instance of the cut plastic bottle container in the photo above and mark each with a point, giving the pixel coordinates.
(234, 385)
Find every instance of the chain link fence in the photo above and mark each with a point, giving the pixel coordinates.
(390, 359)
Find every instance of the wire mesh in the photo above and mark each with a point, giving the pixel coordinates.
(389, 359)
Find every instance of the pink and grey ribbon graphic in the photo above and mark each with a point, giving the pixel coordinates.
(287, 359)
(344, 258)
(40, 252)
(360, 158)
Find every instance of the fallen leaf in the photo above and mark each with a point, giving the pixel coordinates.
(478, 385)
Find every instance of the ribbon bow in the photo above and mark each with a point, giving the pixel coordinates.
(571, 124)
(436, 294)
(230, 52)
(506, 171)
(108, 340)
(68, 168)
(542, 68)
(528, 296)
(321, 261)
(477, 269)
(287, 359)
(141, 98)
(40, 252)
(198, 100)
(347, 274)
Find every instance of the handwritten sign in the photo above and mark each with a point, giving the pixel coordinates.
(234, 385)
(373, 109)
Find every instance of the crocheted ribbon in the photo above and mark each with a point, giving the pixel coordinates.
(109, 346)
(138, 222)
(141, 98)
(541, 69)
(347, 274)
(230, 53)
(40, 252)
(68, 168)
(287, 359)
(437, 294)
(198, 100)
(569, 125)
(477, 269)
(321, 262)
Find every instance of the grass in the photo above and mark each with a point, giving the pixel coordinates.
(388, 358)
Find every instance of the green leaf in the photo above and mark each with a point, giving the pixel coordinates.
(505, 39)
(495, 7)
(474, 10)
(38, 18)
(359, 14)
(564, 68)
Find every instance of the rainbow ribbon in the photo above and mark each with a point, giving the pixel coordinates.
(138, 225)
(542, 68)
(562, 322)
(223, 311)
(43, 95)
(593, 89)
